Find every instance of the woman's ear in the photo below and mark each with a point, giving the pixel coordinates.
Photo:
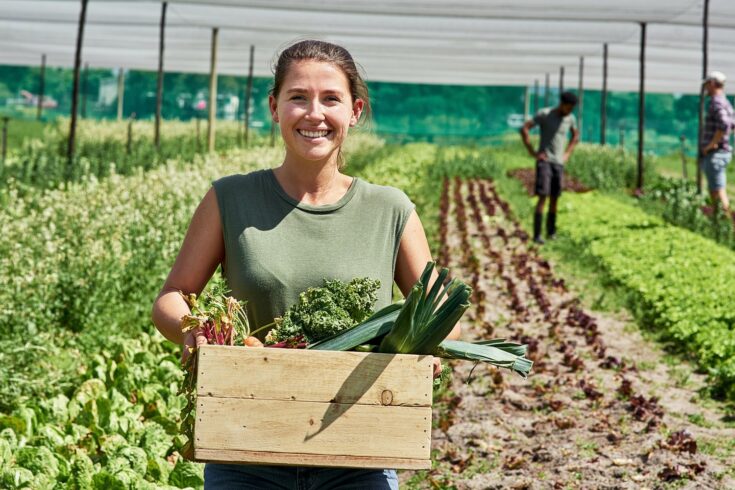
(357, 108)
(273, 105)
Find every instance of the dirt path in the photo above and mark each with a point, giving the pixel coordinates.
(601, 409)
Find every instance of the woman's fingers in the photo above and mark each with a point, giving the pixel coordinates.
(437, 367)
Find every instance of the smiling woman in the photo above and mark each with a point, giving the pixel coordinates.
(280, 231)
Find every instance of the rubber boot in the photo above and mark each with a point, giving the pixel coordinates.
(537, 220)
(551, 226)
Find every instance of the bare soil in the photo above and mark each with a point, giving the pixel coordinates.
(603, 408)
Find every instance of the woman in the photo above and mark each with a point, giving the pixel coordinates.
(277, 232)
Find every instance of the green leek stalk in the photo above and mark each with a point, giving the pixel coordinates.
(423, 322)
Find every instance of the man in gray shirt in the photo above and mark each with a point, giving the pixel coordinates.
(554, 124)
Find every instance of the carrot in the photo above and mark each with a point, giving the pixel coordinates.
(252, 342)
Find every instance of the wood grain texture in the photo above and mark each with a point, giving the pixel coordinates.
(291, 459)
(314, 428)
(322, 376)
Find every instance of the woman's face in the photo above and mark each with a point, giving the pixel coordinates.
(315, 110)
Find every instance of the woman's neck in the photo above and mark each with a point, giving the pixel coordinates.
(313, 183)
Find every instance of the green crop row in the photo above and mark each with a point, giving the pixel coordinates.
(680, 283)
(104, 148)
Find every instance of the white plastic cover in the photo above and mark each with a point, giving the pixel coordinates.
(467, 42)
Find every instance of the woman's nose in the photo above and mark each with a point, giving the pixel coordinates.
(315, 110)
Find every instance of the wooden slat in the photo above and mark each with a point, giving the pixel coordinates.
(323, 376)
(313, 428)
(297, 459)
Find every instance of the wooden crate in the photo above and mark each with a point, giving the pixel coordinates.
(313, 408)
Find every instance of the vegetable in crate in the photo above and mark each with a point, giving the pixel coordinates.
(223, 321)
(325, 311)
(421, 323)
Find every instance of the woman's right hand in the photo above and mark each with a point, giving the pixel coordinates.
(193, 339)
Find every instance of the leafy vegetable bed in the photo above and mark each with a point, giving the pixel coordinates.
(680, 282)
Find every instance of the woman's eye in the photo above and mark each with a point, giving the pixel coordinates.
(333, 98)
(297, 97)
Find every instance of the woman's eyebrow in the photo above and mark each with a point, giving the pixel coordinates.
(303, 90)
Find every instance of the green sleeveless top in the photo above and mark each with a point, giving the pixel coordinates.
(277, 247)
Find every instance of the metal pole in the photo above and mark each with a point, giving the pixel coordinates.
(603, 101)
(75, 88)
(683, 156)
(526, 102)
(212, 91)
(85, 74)
(5, 138)
(547, 87)
(120, 93)
(700, 131)
(641, 105)
(535, 96)
(41, 86)
(159, 88)
(561, 80)
(248, 93)
(580, 91)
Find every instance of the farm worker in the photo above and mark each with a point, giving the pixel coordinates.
(552, 153)
(716, 150)
(277, 232)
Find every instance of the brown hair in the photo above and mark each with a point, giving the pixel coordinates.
(329, 53)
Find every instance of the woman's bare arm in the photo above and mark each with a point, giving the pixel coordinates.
(413, 254)
(200, 254)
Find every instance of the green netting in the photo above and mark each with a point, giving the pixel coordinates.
(402, 112)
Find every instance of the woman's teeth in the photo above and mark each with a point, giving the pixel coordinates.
(313, 134)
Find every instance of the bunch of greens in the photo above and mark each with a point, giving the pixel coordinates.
(223, 321)
(325, 311)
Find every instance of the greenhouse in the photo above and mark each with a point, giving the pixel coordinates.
(342, 244)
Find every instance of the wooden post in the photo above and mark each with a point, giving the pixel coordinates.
(641, 105)
(580, 92)
(85, 75)
(248, 94)
(120, 93)
(199, 134)
(547, 88)
(41, 86)
(75, 88)
(159, 87)
(130, 133)
(212, 91)
(535, 96)
(603, 101)
(561, 80)
(700, 131)
(5, 138)
(273, 133)
(683, 156)
(526, 103)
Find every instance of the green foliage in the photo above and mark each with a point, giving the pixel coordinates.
(606, 167)
(325, 311)
(679, 203)
(679, 282)
(102, 149)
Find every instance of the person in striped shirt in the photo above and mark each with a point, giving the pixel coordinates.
(716, 150)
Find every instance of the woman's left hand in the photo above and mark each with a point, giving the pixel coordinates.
(437, 367)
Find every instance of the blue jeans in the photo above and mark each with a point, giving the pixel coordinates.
(246, 477)
(714, 165)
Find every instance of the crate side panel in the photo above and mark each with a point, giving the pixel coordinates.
(300, 459)
(320, 376)
(313, 428)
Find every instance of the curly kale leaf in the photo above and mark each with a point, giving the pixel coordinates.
(322, 312)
